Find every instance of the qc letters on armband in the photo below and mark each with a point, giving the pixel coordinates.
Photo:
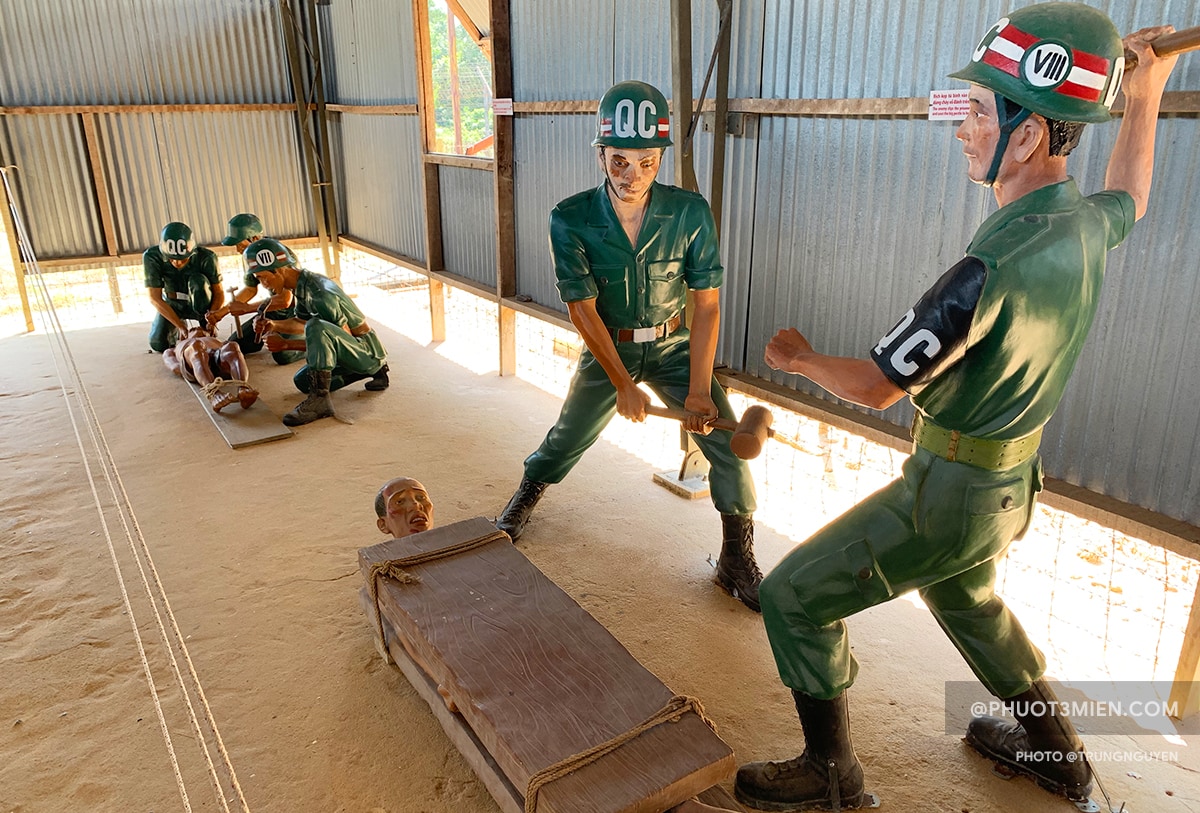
(932, 336)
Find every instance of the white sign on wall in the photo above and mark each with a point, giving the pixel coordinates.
(948, 104)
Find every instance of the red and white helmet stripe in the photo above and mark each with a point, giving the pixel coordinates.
(1047, 64)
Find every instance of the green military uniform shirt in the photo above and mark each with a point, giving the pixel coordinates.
(1045, 255)
(159, 273)
(640, 286)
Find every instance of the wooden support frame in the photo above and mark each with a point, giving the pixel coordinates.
(505, 198)
(1185, 691)
(1173, 101)
(103, 203)
(324, 157)
(14, 246)
(681, 92)
(430, 180)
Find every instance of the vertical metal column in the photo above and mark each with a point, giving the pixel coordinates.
(321, 184)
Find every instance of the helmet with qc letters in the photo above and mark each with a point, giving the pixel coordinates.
(633, 115)
(176, 241)
(1062, 61)
(241, 227)
(268, 255)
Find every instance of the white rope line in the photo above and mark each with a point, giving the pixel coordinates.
(125, 512)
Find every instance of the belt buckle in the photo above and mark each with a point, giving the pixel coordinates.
(178, 295)
(645, 334)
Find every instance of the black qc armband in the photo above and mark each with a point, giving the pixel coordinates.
(932, 336)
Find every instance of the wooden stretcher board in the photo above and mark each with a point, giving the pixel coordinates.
(244, 427)
(507, 797)
(536, 680)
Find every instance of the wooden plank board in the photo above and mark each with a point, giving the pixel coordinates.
(1185, 691)
(244, 427)
(507, 798)
(538, 680)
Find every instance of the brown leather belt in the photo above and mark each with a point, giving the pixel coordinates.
(646, 334)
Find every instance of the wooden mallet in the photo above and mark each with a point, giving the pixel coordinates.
(749, 434)
(1175, 43)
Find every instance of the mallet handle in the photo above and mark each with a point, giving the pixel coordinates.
(1180, 41)
(681, 415)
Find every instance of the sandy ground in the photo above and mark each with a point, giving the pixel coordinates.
(256, 553)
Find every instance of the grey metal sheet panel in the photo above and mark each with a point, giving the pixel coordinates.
(1129, 425)
(52, 184)
(597, 44)
(141, 52)
(834, 254)
(469, 223)
(202, 168)
(381, 199)
(563, 49)
(552, 160)
(370, 52)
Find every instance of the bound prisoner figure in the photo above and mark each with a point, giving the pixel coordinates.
(985, 355)
(242, 230)
(339, 346)
(182, 281)
(218, 367)
(625, 255)
(403, 507)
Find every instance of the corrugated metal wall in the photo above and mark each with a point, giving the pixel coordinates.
(200, 167)
(369, 51)
(141, 52)
(469, 223)
(369, 55)
(379, 197)
(832, 224)
(842, 259)
(52, 184)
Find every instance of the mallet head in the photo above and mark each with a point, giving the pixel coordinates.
(751, 433)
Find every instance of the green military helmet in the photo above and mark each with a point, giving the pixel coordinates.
(244, 226)
(268, 255)
(1061, 60)
(633, 115)
(176, 241)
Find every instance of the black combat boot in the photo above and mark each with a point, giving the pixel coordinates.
(514, 516)
(827, 776)
(737, 571)
(316, 405)
(379, 381)
(1037, 745)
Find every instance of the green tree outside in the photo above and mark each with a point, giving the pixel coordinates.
(474, 85)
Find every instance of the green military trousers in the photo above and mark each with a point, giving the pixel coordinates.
(348, 358)
(939, 529)
(591, 402)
